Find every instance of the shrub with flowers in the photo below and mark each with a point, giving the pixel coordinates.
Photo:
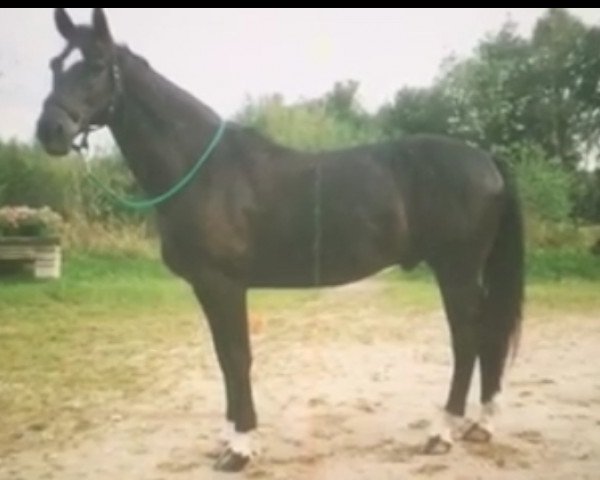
(22, 221)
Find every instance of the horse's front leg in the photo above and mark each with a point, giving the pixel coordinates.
(224, 303)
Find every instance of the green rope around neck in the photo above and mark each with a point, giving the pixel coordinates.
(145, 203)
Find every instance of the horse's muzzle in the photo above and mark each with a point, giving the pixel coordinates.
(56, 131)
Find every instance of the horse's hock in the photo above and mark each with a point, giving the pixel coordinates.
(44, 254)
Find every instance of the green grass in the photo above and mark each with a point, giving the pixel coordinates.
(558, 282)
(70, 340)
(78, 341)
(543, 265)
(106, 283)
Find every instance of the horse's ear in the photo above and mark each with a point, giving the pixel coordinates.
(64, 24)
(100, 25)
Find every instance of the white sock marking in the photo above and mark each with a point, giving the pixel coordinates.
(489, 411)
(226, 433)
(446, 426)
(242, 444)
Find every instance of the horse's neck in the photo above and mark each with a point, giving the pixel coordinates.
(160, 129)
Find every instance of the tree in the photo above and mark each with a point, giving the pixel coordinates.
(309, 125)
(416, 110)
(343, 104)
(490, 93)
(542, 91)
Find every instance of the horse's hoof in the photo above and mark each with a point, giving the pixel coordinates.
(436, 445)
(230, 461)
(477, 433)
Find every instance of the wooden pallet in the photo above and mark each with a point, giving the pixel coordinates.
(43, 253)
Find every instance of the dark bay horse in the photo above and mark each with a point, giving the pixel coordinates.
(261, 215)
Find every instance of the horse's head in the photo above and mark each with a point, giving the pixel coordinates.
(85, 93)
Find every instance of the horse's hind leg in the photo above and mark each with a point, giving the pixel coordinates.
(492, 352)
(462, 295)
(224, 304)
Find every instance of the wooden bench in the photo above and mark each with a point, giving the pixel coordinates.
(43, 253)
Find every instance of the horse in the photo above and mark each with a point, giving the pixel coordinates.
(258, 214)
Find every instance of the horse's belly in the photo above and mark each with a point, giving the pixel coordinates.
(319, 265)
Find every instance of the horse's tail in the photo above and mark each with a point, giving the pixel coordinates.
(504, 284)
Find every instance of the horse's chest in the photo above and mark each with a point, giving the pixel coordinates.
(191, 245)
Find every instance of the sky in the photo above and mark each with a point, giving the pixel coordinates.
(225, 56)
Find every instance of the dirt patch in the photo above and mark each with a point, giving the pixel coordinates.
(344, 409)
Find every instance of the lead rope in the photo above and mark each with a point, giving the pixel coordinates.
(317, 225)
(146, 203)
(315, 307)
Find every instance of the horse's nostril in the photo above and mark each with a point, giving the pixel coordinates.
(58, 130)
(49, 130)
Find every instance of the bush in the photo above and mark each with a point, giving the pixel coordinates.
(307, 125)
(96, 205)
(546, 187)
(586, 196)
(31, 178)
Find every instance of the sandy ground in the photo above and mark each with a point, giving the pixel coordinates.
(350, 410)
